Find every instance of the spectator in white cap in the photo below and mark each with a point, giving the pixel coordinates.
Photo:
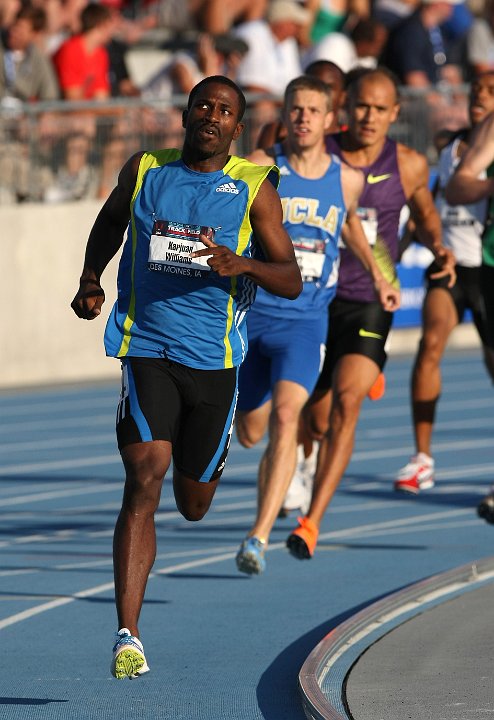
(273, 58)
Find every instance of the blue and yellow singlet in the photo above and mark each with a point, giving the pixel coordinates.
(169, 304)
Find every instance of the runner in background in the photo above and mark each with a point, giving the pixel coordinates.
(358, 326)
(444, 307)
(287, 338)
(472, 182)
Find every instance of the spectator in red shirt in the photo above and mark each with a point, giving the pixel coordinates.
(82, 61)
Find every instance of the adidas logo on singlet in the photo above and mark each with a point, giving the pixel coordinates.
(284, 170)
(228, 187)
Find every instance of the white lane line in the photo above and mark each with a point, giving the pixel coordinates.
(453, 406)
(106, 587)
(52, 494)
(57, 443)
(398, 430)
(46, 406)
(66, 423)
(439, 447)
(333, 547)
(402, 450)
(71, 463)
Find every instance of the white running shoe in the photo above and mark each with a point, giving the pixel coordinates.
(299, 493)
(128, 659)
(417, 475)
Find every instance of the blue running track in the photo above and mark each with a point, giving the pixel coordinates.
(220, 645)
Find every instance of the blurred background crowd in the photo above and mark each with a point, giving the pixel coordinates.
(83, 84)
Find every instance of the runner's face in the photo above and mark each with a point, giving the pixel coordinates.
(211, 123)
(481, 98)
(307, 117)
(372, 107)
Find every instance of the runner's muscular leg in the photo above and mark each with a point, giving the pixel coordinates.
(193, 498)
(251, 425)
(353, 376)
(280, 457)
(315, 424)
(134, 541)
(439, 317)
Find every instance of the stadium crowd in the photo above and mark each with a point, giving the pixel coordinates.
(78, 51)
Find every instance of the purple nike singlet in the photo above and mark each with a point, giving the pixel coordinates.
(380, 206)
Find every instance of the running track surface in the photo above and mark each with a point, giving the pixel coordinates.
(220, 644)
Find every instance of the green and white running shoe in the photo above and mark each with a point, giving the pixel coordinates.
(128, 660)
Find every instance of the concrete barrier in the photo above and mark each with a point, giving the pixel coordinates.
(42, 251)
(41, 256)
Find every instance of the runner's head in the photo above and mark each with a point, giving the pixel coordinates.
(307, 110)
(212, 120)
(372, 105)
(481, 101)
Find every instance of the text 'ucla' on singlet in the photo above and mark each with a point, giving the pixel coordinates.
(379, 210)
(313, 214)
(169, 304)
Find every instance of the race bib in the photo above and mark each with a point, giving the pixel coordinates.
(368, 218)
(458, 216)
(310, 255)
(171, 245)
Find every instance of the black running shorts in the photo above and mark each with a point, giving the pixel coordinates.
(354, 328)
(192, 409)
(466, 293)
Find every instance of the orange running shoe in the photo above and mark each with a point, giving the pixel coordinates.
(378, 389)
(303, 540)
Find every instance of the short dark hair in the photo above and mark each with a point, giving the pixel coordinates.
(222, 80)
(325, 65)
(309, 82)
(94, 15)
(35, 15)
(355, 77)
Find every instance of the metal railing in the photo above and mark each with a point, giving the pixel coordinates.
(51, 152)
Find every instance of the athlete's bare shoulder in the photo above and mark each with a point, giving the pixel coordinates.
(262, 157)
(352, 184)
(414, 169)
(352, 176)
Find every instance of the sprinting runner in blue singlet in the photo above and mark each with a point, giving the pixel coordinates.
(286, 339)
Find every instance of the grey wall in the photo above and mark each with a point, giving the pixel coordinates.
(41, 256)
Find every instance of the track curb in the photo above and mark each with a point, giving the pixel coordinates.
(322, 677)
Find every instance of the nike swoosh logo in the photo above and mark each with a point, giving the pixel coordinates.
(373, 179)
(369, 334)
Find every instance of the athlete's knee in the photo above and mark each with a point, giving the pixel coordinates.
(346, 405)
(431, 347)
(248, 433)
(316, 414)
(143, 482)
(317, 426)
(285, 417)
(193, 498)
(193, 511)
